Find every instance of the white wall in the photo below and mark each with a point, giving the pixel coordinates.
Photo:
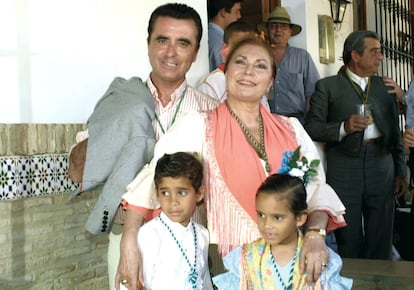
(305, 13)
(58, 57)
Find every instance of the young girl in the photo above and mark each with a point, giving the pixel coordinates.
(271, 262)
(173, 247)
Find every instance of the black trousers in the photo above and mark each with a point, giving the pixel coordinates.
(365, 184)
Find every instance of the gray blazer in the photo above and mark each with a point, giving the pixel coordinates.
(121, 142)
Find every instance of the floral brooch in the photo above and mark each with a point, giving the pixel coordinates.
(299, 166)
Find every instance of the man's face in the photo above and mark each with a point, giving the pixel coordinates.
(279, 33)
(234, 14)
(172, 49)
(368, 63)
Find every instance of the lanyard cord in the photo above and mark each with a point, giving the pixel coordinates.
(175, 114)
(362, 94)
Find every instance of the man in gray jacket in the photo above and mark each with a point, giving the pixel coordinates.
(174, 34)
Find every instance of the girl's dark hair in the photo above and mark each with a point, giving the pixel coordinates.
(288, 187)
(252, 40)
(179, 164)
(176, 11)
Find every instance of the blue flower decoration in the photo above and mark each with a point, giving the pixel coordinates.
(293, 165)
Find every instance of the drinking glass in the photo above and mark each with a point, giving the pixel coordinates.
(364, 110)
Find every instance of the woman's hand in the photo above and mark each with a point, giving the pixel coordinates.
(314, 256)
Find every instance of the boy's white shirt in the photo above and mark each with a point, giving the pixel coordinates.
(164, 266)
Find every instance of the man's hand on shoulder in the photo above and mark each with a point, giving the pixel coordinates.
(394, 88)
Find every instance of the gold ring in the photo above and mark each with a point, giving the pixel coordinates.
(124, 281)
(324, 265)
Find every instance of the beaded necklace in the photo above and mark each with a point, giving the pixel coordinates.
(175, 113)
(259, 147)
(192, 277)
(289, 285)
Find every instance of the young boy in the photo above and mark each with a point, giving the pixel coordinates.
(174, 248)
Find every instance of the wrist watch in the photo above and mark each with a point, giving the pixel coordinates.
(321, 232)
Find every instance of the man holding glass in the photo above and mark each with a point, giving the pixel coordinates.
(357, 117)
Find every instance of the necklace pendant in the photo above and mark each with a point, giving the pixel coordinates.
(192, 278)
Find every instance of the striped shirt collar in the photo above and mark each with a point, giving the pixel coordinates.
(174, 96)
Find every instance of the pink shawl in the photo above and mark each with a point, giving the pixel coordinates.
(239, 164)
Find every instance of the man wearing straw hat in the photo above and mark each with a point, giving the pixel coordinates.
(296, 72)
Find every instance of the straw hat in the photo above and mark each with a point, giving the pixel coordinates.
(280, 15)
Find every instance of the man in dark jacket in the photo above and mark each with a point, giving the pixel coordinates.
(364, 154)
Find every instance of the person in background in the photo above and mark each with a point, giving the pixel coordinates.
(364, 152)
(241, 143)
(409, 137)
(174, 248)
(214, 83)
(296, 73)
(174, 34)
(220, 14)
(409, 125)
(272, 261)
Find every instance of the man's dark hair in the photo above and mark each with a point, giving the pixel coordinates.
(214, 6)
(176, 11)
(236, 26)
(180, 164)
(355, 41)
